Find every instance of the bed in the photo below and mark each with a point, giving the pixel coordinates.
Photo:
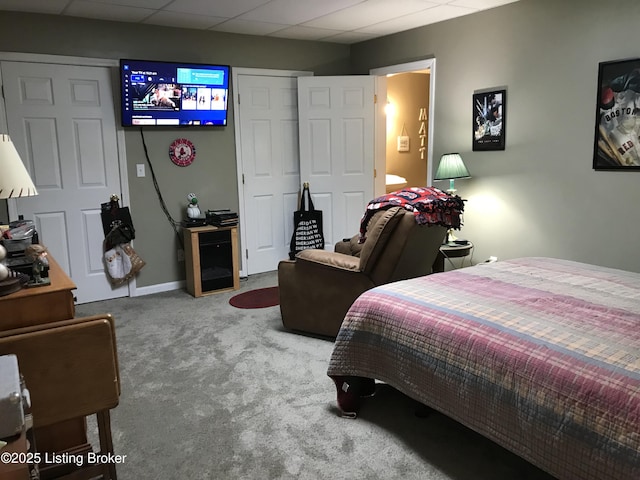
(540, 355)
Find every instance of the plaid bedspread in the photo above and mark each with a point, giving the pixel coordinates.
(540, 355)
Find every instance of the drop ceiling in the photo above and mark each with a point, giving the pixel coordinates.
(339, 21)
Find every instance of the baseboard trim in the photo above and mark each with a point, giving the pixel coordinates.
(158, 288)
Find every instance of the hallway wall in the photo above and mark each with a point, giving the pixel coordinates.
(408, 94)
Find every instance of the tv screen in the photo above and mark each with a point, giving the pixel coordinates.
(173, 94)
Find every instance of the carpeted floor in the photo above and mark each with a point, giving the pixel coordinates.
(210, 391)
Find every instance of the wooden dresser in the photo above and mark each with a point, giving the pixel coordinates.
(38, 305)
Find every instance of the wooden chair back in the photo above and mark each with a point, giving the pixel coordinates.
(70, 369)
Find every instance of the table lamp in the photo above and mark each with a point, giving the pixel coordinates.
(451, 167)
(14, 179)
(14, 182)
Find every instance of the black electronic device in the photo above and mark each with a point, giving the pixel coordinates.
(222, 218)
(194, 222)
(173, 94)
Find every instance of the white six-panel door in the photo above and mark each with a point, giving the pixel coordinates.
(62, 122)
(337, 149)
(268, 115)
(333, 149)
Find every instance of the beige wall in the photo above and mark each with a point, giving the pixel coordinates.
(213, 175)
(540, 196)
(408, 93)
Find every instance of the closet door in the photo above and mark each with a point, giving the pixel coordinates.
(337, 152)
(268, 143)
(291, 129)
(61, 119)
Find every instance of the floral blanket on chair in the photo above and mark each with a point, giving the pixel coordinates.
(429, 205)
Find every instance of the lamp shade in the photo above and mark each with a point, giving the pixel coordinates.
(451, 166)
(14, 179)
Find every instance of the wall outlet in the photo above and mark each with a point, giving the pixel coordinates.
(180, 255)
(140, 169)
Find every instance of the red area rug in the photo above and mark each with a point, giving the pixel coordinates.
(260, 298)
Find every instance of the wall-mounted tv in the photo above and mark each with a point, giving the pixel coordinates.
(166, 94)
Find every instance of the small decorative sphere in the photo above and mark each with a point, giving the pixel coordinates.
(4, 272)
(3, 253)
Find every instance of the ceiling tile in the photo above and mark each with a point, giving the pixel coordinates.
(481, 4)
(293, 12)
(35, 6)
(104, 11)
(304, 33)
(183, 20)
(367, 13)
(350, 37)
(219, 8)
(155, 4)
(248, 28)
(426, 17)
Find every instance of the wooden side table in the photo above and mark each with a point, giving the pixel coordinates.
(211, 258)
(448, 251)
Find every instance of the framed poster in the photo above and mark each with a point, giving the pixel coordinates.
(489, 120)
(616, 144)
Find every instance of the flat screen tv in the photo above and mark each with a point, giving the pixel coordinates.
(166, 94)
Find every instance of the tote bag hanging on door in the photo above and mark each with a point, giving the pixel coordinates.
(307, 226)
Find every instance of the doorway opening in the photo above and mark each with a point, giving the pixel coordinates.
(409, 129)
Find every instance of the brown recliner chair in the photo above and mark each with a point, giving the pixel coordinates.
(319, 286)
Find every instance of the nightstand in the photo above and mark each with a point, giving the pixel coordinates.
(449, 251)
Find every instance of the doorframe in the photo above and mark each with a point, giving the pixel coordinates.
(120, 138)
(235, 73)
(430, 64)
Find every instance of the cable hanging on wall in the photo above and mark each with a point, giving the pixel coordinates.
(163, 205)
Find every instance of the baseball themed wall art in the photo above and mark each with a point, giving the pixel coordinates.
(617, 133)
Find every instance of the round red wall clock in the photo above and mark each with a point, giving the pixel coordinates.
(182, 152)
